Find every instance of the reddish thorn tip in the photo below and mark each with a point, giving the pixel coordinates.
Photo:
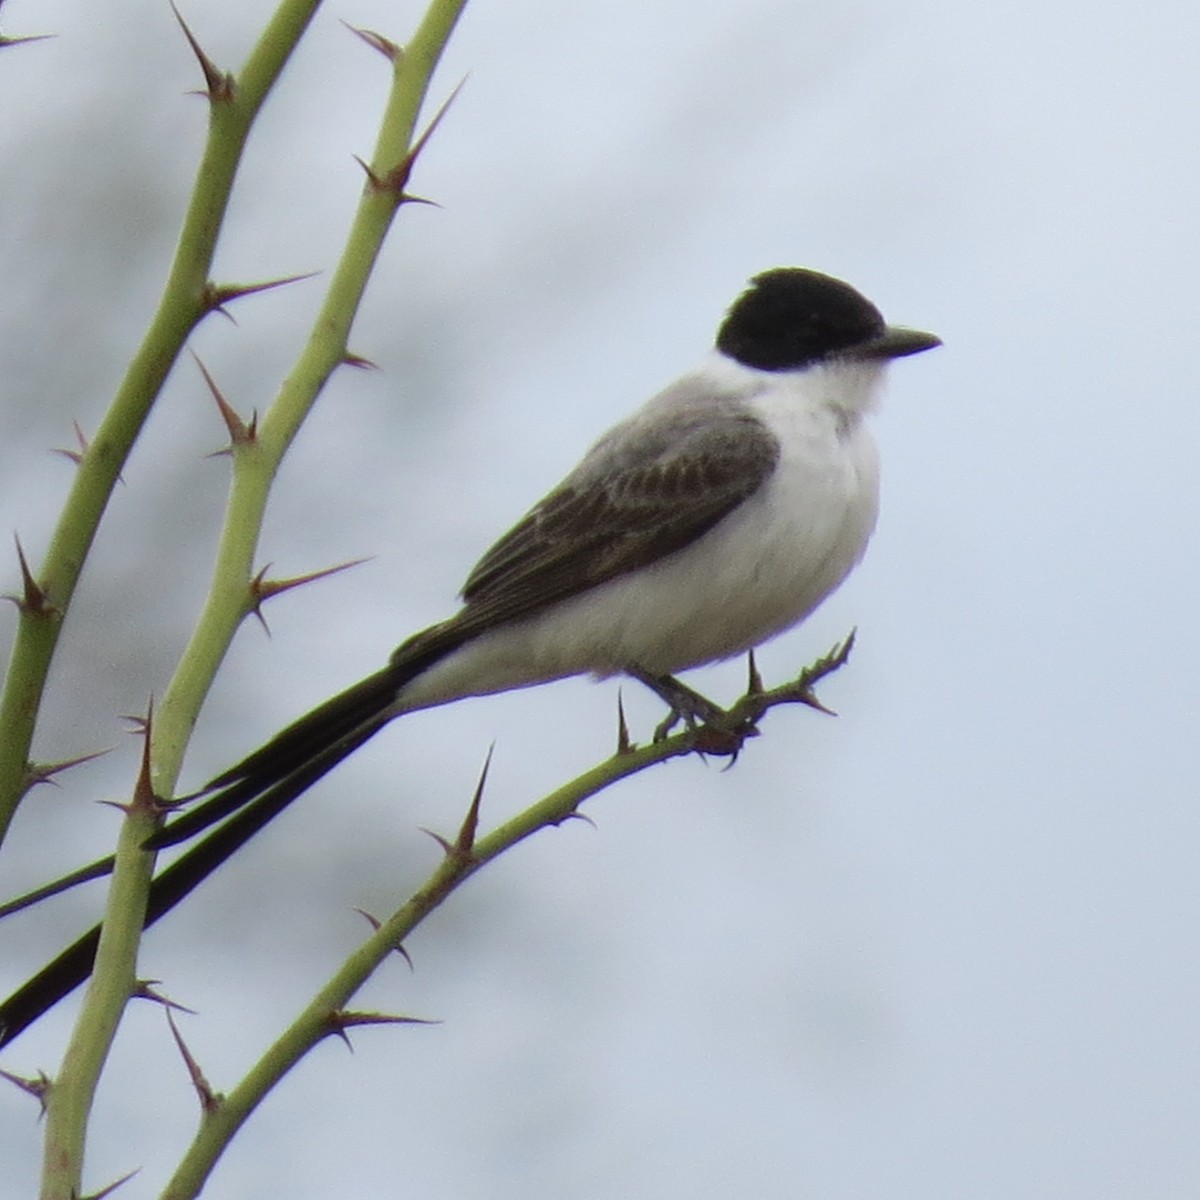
(376, 41)
(210, 1100)
(219, 84)
(240, 433)
(33, 600)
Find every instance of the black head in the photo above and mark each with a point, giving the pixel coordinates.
(792, 317)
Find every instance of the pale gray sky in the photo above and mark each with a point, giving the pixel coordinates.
(940, 947)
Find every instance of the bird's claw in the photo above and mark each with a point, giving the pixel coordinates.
(716, 730)
(663, 729)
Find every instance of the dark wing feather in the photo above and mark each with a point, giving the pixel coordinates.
(632, 501)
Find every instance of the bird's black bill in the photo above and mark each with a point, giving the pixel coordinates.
(894, 342)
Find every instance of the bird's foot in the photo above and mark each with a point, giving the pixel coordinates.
(720, 732)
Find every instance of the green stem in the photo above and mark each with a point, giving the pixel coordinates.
(182, 305)
(255, 462)
(69, 1100)
(256, 459)
(184, 302)
(325, 1013)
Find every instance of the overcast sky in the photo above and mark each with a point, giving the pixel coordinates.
(941, 946)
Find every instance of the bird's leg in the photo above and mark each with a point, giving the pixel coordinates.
(685, 704)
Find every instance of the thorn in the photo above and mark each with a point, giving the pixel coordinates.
(372, 179)
(36, 773)
(210, 1101)
(465, 845)
(144, 990)
(112, 1187)
(142, 791)
(257, 586)
(833, 661)
(576, 816)
(144, 800)
(349, 1020)
(38, 1087)
(217, 295)
(419, 145)
(462, 849)
(265, 589)
(409, 198)
(799, 690)
(370, 918)
(240, 434)
(33, 601)
(808, 697)
(396, 180)
(262, 589)
(377, 924)
(447, 846)
(220, 84)
(754, 686)
(341, 1020)
(29, 37)
(357, 360)
(377, 41)
(624, 745)
(256, 607)
(837, 657)
(76, 456)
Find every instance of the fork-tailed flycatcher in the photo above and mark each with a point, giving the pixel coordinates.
(718, 515)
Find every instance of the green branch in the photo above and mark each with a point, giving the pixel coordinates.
(326, 1013)
(184, 302)
(256, 454)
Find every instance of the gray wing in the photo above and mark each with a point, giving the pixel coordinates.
(643, 492)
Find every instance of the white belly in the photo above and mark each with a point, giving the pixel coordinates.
(759, 571)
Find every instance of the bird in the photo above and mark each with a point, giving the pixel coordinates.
(718, 515)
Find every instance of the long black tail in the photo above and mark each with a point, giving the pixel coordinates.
(60, 977)
(323, 731)
(329, 726)
(252, 794)
(323, 728)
